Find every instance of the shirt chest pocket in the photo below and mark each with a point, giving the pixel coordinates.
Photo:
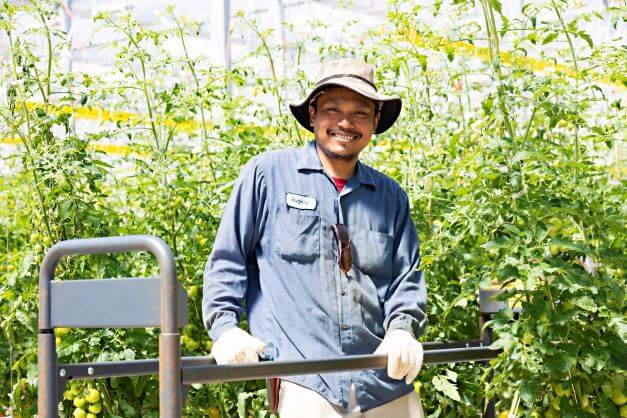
(372, 251)
(297, 235)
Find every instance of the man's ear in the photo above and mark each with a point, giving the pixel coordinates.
(312, 115)
(377, 117)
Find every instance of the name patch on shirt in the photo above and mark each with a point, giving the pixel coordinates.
(300, 202)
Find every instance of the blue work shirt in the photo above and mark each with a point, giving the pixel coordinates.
(276, 251)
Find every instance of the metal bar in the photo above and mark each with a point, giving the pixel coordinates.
(254, 371)
(435, 353)
(428, 345)
(214, 374)
(145, 367)
(455, 355)
(110, 369)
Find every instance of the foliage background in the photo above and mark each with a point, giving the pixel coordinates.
(515, 176)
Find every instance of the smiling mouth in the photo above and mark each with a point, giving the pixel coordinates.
(344, 137)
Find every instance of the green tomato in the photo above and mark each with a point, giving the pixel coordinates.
(188, 330)
(618, 397)
(569, 305)
(585, 401)
(59, 332)
(93, 396)
(79, 402)
(623, 411)
(192, 292)
(76, 390)
(79, 413)
(95, 408)
(556, 226)
(554, 250)
(562, 391)
(191, 344)
(552, 413)
(92, 416)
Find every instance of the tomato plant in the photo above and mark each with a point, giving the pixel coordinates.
(515, 176)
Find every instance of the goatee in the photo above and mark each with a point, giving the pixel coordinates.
(334, 155)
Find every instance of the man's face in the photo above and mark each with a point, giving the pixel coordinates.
(343, 122)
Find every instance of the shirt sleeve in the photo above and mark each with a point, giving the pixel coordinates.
(406, 298)
(225, 279)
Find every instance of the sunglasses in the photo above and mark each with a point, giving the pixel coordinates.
(345, 254)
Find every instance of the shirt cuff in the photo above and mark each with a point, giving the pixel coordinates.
(407, 323)
(222, 324)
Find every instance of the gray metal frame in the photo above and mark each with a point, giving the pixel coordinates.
(177, 373)
(170, 390)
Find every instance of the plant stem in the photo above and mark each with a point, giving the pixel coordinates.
(205, 135)
(49, 45)
(26, 140)
(143, 81)
(568, 38)
(495, 60)
(571, 47)
(271, 61)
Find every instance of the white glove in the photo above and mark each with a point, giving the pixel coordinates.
(236, 346)
(404, 354)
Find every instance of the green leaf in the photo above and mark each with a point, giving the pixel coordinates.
(496, 4)
(583, 35)
(451, 375)
(559, 362)
(586, 303)
(242, 402)
(423, 62)
(529, 390)
(127, 409)
(446, 387)
(550, 38)
(500, 242)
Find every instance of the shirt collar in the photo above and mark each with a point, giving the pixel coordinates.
(309, 160)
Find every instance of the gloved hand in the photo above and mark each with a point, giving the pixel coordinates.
(236, 346)
(404, 354)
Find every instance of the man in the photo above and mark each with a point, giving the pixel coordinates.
(322, 249)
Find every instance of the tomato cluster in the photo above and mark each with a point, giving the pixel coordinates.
(86, 400)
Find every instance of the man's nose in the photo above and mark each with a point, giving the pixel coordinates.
(345, 122)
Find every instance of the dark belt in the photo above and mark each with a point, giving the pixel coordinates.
(273, 386)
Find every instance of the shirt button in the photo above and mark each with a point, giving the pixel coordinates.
(343, 293)
(344, 327)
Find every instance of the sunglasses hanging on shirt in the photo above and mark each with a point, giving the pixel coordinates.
(345, 254)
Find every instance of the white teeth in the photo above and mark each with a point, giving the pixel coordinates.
(343, 136)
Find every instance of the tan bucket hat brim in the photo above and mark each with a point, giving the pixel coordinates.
(358, 77)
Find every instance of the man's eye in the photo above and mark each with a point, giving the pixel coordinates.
(333, 109)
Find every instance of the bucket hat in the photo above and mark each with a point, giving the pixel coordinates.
(357, 76)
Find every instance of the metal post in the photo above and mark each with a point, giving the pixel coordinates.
(487, 307)
(47, 362)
